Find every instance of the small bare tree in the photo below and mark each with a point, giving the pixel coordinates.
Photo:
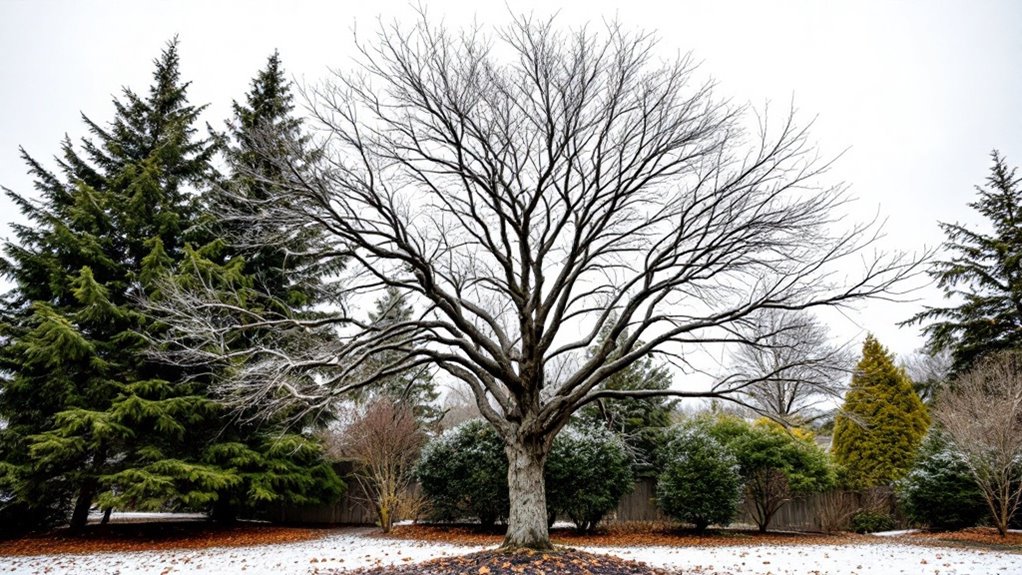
(982, 415)
(929, 372)
(793, 365)
(383, 440)
(528, 193)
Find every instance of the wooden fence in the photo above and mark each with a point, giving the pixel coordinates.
(826, 512)
(351, 509)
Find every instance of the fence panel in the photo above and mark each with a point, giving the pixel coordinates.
(828, 512)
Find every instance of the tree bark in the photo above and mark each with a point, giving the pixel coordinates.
(527, 522)
(80, 516)
(224, 511)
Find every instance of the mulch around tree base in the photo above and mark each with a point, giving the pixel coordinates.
(497, 562)
(155, 537)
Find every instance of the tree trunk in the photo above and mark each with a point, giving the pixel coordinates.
(90, 485)
(224, 511)
(80, 516)
(527, 523)
(106, 515)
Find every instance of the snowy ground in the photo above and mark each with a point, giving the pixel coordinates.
(140, 517)
(882, 558)
(349, 549)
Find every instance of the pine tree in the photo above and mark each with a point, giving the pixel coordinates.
(985, 274)
(84, 404)
(641, 422)
(882, 421)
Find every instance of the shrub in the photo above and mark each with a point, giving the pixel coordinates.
(872, 521)
(699, 483)
(463, 473)
(775, 464)
(587, 472)
(835, 515)
(940, 491)
(384, 441)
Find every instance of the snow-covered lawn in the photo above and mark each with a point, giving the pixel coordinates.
(881, 558)
(348, 549)
(353, 548)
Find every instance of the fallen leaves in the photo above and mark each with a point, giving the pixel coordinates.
(155, 537)
(625, 535)
(981, 536)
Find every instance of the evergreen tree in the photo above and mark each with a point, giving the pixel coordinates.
(273, 462)
(266, 144)
(984, 274)
(413, 387)
(83, 403)
(643, 422)
(264, 461)
(882, 421)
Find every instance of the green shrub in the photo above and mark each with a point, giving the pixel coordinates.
(463, 473)
(940, 491)
(699, 482)
(775, 464)
(872, 521)
(587, 472)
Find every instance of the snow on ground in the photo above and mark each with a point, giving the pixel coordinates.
(353, 548)
(146, 517)
(882, 558)
(342, 549)
(894, 533)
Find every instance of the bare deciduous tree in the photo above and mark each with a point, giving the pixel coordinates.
(794, 365)
(529, 192)
(929, 372)
(982, 415)
(383, 441)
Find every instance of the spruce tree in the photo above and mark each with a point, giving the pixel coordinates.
(273, 461)
(84, 404)
(984, 274)
(881, 423)
(266, 144)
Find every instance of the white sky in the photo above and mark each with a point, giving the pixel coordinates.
(918, 93)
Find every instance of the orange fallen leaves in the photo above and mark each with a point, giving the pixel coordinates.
(976, 535)
(625, 535)
(155, 537)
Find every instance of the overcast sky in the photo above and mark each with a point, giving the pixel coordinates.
(916, 94)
